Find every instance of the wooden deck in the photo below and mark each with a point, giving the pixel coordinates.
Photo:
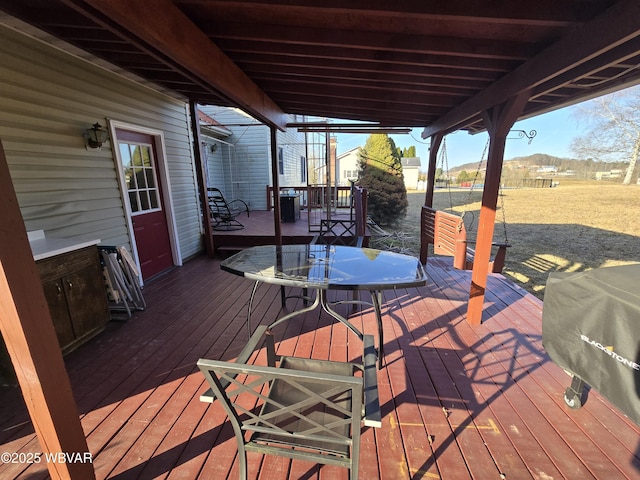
(259, 230)
(458, 401)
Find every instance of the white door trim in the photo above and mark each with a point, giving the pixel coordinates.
(162, 170)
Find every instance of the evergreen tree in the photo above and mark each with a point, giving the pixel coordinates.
(381, 174)
(410, 152)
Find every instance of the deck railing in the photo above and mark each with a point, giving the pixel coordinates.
(315, 196)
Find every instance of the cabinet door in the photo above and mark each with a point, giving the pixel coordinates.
(86, 300)
(55, 295)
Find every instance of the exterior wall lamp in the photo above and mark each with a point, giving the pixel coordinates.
(96, 136)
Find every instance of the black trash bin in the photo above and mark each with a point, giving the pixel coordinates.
(591, 328)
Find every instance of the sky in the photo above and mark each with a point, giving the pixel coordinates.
(555, 131)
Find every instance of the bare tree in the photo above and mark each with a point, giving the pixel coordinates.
(613, 131)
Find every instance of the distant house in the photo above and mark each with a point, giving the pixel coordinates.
(547, 169)
(238, 156)
(411, 172)
(614, 173)
(347, 166)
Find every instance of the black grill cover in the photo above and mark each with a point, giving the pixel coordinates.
(591, 327)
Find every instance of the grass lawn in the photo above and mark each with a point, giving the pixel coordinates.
(576, 226)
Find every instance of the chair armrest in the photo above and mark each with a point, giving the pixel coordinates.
(244, 356)
(495, 244)
(372, 416)
(246, 207)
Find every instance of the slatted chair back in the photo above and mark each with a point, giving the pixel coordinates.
(303, 409)
(223, 213)
(338, 232)
(343, 231)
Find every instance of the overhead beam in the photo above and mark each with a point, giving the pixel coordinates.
(437, 78)
(161, 28)
(361, 12)
(388, 130)
(417, 61)
(614, 27)
(384, 112)
(379, 41)
(391, 116)
(354, 93)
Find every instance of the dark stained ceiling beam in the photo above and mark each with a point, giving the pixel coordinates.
(576, 48)
(378, 41)
(310, 53)
(405, 115)
(433, 76)
(615, 57)
(556, 13)
(350, 127)
(359, 91)
(400, 119)
(159, 23)
(355, 93)
(379, 82)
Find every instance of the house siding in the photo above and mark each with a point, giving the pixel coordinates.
(246, 172)
(348, 161)
(48, 98)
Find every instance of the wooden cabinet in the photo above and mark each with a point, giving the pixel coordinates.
(75, 291)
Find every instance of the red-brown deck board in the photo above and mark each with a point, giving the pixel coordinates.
(458, 401)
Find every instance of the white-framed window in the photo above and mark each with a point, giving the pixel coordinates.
(281, 160)
(140, 177)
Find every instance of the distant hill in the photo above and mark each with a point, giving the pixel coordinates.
(534, 164)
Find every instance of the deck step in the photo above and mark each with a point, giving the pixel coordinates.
(228, 250)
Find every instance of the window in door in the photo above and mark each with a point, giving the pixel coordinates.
(140, 179)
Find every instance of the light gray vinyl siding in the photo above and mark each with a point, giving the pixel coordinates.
(246, 173)
(48, 98)
(213, 161)
(292, 142)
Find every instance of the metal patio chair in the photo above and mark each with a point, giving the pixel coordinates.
(332, 232)
(223, 213)
(302, 409)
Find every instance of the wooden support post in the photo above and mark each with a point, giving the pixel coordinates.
(276, 186)
(209, 246)
(27, 329)
(498, 121)
(434, 148)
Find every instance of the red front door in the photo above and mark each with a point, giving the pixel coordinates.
(144, 189)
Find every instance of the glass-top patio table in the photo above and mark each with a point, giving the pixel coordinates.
(327, 267)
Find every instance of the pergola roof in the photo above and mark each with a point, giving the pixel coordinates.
(403, 63)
